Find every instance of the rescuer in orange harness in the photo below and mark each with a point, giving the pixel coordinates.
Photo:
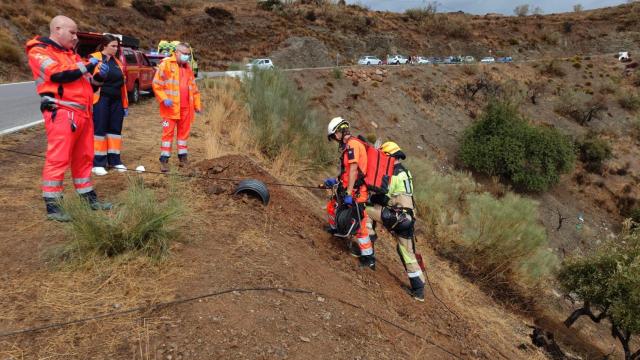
(63, 83)
(351, 188)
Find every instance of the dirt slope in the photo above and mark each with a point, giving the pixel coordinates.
(229, 242)
(238, 29)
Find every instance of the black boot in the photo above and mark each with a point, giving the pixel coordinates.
(164, 164)
(92, 198)
(417, 288)
(368, 261)
(54, 212)
(183, 160)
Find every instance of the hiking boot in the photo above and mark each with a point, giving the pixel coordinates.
(368, 261)
(418, 294)
(184, 160)
(92, 198)
(354, 249)
(164, 166)
(54, 212)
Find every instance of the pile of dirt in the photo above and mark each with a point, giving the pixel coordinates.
(302, 52)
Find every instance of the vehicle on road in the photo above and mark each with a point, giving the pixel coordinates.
(420, 60)
(469, 59)
(456, 60)
(138, 70)
(488, 60)
(397, 60)
(505, 59)
(261, 64)
(369, 60)
(155, 58)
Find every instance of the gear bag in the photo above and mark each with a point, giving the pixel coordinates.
(379, 170)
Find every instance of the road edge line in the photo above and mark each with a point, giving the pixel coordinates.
(20, 127)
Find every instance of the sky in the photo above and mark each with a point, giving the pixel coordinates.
(487, 6)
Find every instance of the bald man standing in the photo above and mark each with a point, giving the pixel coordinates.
(63, 82)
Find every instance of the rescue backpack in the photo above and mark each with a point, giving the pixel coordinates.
(379, 170)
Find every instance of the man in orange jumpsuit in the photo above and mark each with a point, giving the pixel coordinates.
(175, 88)
(351, 186)
(63, 83)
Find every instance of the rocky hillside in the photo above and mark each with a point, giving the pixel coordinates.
(307, 34)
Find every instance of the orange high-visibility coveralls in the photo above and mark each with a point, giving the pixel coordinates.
(176, 82)
(63, 82)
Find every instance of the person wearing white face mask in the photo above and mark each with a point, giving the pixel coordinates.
(175, 89)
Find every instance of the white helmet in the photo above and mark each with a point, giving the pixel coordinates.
(337, 123)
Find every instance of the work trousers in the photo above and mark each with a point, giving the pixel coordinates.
(168, 129)
(108, 116)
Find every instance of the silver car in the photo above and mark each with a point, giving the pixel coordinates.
(369, 60)
(262, 64)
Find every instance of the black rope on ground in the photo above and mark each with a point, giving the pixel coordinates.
(219, 293)
(181, 175)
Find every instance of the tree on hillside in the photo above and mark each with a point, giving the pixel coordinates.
(608, 284)
(521, 10)
(537, 11)
(578, 8)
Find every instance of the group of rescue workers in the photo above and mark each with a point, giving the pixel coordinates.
(84, 103)
(359, 204)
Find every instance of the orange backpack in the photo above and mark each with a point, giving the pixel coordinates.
(379, 168)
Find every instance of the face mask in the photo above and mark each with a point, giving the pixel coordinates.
(184, 58)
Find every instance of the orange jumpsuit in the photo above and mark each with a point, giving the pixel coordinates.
(176, 82)
(63, 82)
(354, 152)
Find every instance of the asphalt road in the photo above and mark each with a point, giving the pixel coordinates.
(19, 106)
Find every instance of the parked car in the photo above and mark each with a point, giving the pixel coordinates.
(138, 70)
(155, 58)
(505, 59)
(469, 59)
(397, 60)
(456, 60)
(262, 64)
(488, 60)
(436, 60)
(420, 60)
(369, 60)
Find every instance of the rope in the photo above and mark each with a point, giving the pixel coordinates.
(55, 325)
(181, 175)
(219, 293)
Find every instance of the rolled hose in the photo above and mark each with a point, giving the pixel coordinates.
(255, 188)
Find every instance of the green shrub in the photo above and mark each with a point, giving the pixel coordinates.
(269, 5)
(282, 118)
(553, 68)
(593, 152)
(140, 223)
(629, 101)
(439, 197)
(504, 240)
(337, 73)
(608, 281)
(503, 144)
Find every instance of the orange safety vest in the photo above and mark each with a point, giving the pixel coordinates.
(123, 93)
(166, 85)
(46, 58)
